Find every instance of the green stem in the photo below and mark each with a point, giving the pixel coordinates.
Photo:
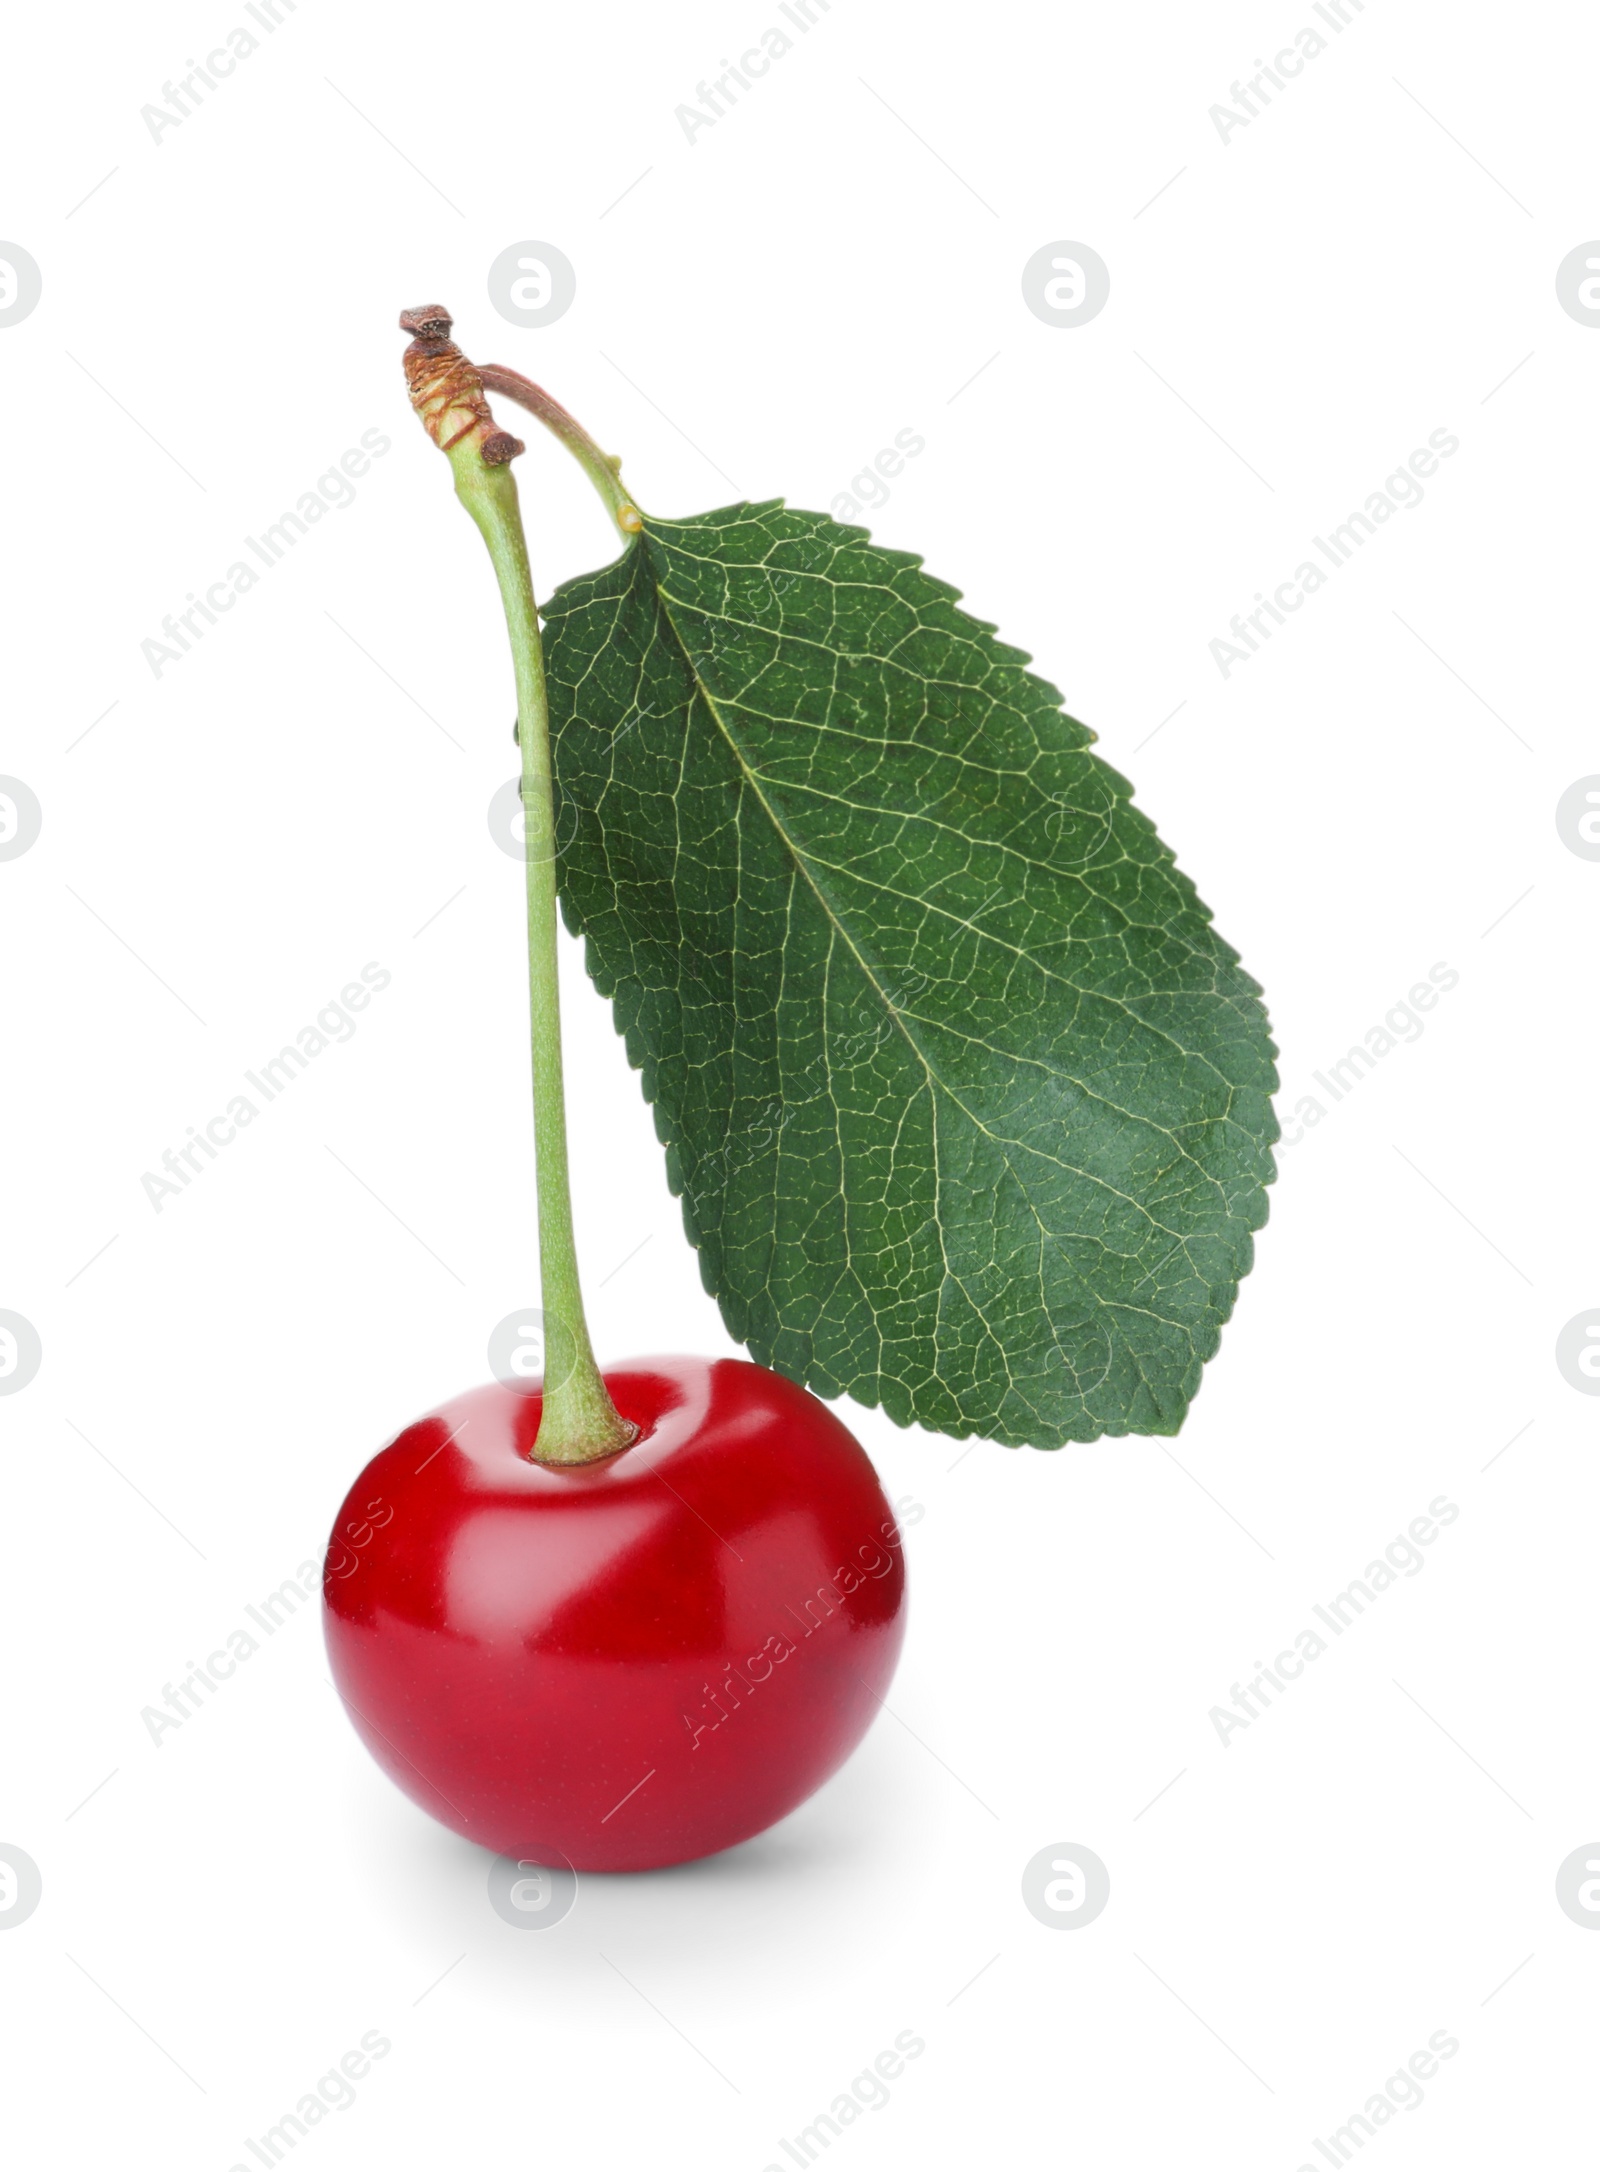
(600, 467)
(578, 1423)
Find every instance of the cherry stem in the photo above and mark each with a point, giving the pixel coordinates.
(578, 1422)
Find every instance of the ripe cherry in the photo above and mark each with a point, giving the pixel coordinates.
(624, 1663)
(614, 1620)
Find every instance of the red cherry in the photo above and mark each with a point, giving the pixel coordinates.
(620, 1664)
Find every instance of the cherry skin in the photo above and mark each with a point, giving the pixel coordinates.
(623, 1664)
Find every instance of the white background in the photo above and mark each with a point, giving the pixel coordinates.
(225, 845)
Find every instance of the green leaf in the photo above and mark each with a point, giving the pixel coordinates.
(967, 1103)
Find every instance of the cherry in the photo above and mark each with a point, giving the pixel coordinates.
(614, 1620)
(624, 1663)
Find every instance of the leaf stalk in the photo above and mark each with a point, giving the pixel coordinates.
(601, 468)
